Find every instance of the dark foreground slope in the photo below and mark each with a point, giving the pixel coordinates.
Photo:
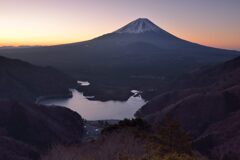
(138, 56)
(207, 103)
(25, 82)
(130, 140)
(26, 130)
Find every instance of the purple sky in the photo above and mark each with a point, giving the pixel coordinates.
(45, 22)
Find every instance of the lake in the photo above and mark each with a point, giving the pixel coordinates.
(98, 110)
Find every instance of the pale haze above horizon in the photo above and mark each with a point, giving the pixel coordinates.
(213, 23)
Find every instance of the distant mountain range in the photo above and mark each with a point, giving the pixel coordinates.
(16, 47)
(136, 52)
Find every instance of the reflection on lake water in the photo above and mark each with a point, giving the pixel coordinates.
(83, 83)
(97, 110)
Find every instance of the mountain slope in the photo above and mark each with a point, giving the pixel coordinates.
(135, 53)
(27, 130)
(25, 82)
(140, 44)
(205, 102)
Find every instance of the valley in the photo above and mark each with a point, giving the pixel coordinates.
(137, 93)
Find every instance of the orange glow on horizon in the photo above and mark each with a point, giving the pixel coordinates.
(53, 22)
(220, 42)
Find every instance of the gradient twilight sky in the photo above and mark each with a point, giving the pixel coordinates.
(46, 22)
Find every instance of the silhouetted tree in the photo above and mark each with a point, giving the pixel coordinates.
(170, 140)
(173, 138)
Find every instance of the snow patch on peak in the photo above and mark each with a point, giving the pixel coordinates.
(139, 26)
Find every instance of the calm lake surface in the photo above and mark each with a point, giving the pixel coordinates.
(97, 110)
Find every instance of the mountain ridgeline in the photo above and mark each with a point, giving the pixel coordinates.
(207, 105)
(22, 81)
(128, 58)
(27, 129)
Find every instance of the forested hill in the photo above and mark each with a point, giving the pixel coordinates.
(25, 82)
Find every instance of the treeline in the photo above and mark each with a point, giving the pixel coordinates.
(132, 140)
(167, 141)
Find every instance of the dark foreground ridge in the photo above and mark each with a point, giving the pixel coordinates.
(28, 130)
(207, 105)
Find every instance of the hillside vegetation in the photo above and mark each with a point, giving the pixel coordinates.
(131, 140)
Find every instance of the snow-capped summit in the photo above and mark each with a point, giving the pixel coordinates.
(139, 26)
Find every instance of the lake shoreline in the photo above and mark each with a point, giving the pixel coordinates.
(92, 110)
(57, 96)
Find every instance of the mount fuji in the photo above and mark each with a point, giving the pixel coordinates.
(143, 30)
(140, 50)
(140, 43)
(139, 26)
